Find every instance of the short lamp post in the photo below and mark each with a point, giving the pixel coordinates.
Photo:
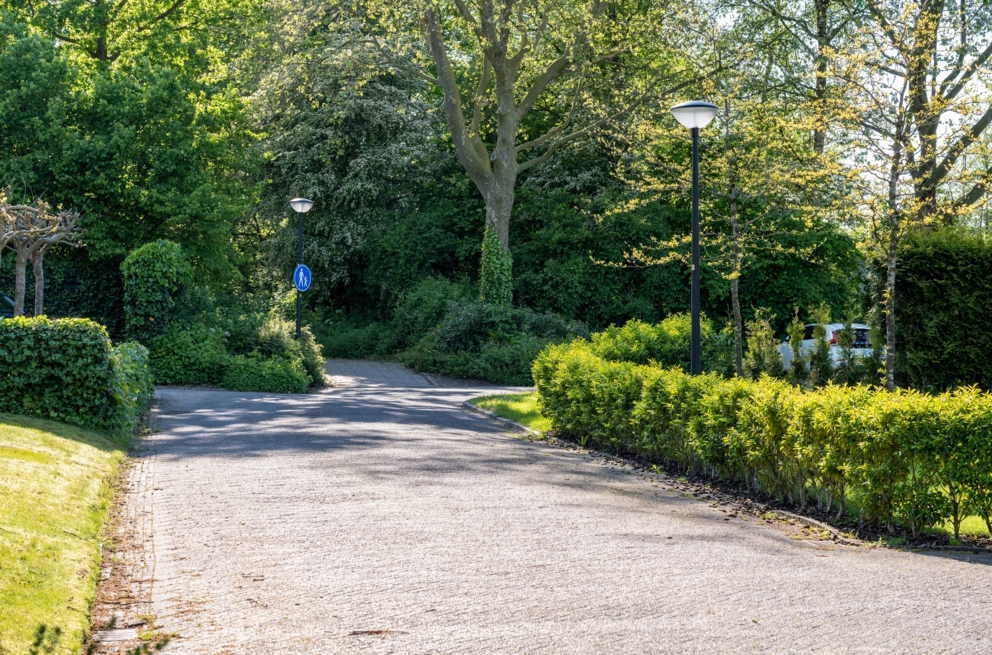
(694, 115)
(301, 206)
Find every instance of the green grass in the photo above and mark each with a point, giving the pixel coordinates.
(519, 407)
(55, 492)
(973, 525)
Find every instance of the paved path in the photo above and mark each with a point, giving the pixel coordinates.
(388, 520)
(353, 372)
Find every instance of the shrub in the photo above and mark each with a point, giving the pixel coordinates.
(273, 374)
(67, 370)
(763, 356)
(666, 343)
(156, 278)
(422, 308)
(907, 456)
(942, 287)
(191, 356)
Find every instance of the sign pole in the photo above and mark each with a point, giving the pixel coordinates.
(299, 262)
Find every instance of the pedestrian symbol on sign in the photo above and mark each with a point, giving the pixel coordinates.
(302, 278)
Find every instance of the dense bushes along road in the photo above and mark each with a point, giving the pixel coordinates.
(910, 457)
(68, 370)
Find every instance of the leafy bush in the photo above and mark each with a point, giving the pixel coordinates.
(156, 277)
(763, 356)
(907, 456)
(666, 343)
(275, 374)
(941, 291)
(190, 356)
(67, 370)
(491, 342)
(199, 355)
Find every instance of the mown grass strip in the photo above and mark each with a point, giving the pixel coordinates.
(519, 407)
(55, 492)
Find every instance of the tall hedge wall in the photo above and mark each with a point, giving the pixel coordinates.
(68, 370)
(943, 305)
(911, 457)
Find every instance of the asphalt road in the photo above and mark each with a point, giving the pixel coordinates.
(378, 519)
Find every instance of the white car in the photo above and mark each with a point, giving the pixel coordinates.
(862, 343)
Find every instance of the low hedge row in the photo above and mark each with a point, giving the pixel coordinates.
(910, 457)
(68, 370)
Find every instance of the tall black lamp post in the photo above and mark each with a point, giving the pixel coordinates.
(301, 206)
(694, 115)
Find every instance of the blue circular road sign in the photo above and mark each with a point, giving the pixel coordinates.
(302, 278)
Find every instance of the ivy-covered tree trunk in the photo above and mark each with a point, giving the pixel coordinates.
(496, 275)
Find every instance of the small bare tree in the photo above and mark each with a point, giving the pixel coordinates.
(30, 230)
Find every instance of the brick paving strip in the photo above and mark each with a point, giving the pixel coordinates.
(380, 519)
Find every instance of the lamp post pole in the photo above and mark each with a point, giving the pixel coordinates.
(696, 354)
(301, 275)
(694, 115)
(299, 261)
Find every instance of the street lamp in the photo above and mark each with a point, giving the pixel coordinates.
(694, 115)
(301, 206)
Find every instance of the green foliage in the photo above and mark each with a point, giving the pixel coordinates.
(666, 343)
(942, 291)
(67, 370)
(763, 356)
(190, 356)
(798, 372)
(156, 278)
(149, 143)
(201, 355)
(495, 271)
(910, 457)
(274, 374)
(821, 365)
(490, 342)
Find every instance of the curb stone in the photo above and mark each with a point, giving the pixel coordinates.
(499, 419)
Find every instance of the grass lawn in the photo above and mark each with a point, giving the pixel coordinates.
(519, 407)
(55, 492)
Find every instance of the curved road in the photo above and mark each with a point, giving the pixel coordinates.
(380, 518)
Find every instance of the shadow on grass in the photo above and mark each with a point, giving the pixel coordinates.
(64, 430)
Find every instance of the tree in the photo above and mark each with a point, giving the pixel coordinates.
(30, 230)
(149, 143)
(880, 130)
(520, 53)
(941, 50)
(762, 184)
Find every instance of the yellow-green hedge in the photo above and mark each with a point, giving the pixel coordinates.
(906, 456)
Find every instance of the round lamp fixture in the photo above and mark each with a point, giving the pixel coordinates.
(694, 113)
(301, 205)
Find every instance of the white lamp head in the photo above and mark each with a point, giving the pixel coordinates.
(694, 113)
(301, 205)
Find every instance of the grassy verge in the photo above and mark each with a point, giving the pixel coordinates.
(55, 491)
(519, 407)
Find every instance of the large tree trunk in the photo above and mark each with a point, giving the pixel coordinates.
(895, 168)
(820, 89)
(39, 281)
(20, 281)
(735, 299)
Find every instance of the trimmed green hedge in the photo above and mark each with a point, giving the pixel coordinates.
(942, 296)
(911, 457)
(67, 370)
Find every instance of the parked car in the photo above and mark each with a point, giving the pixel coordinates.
(6, 307)
(862, 342)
